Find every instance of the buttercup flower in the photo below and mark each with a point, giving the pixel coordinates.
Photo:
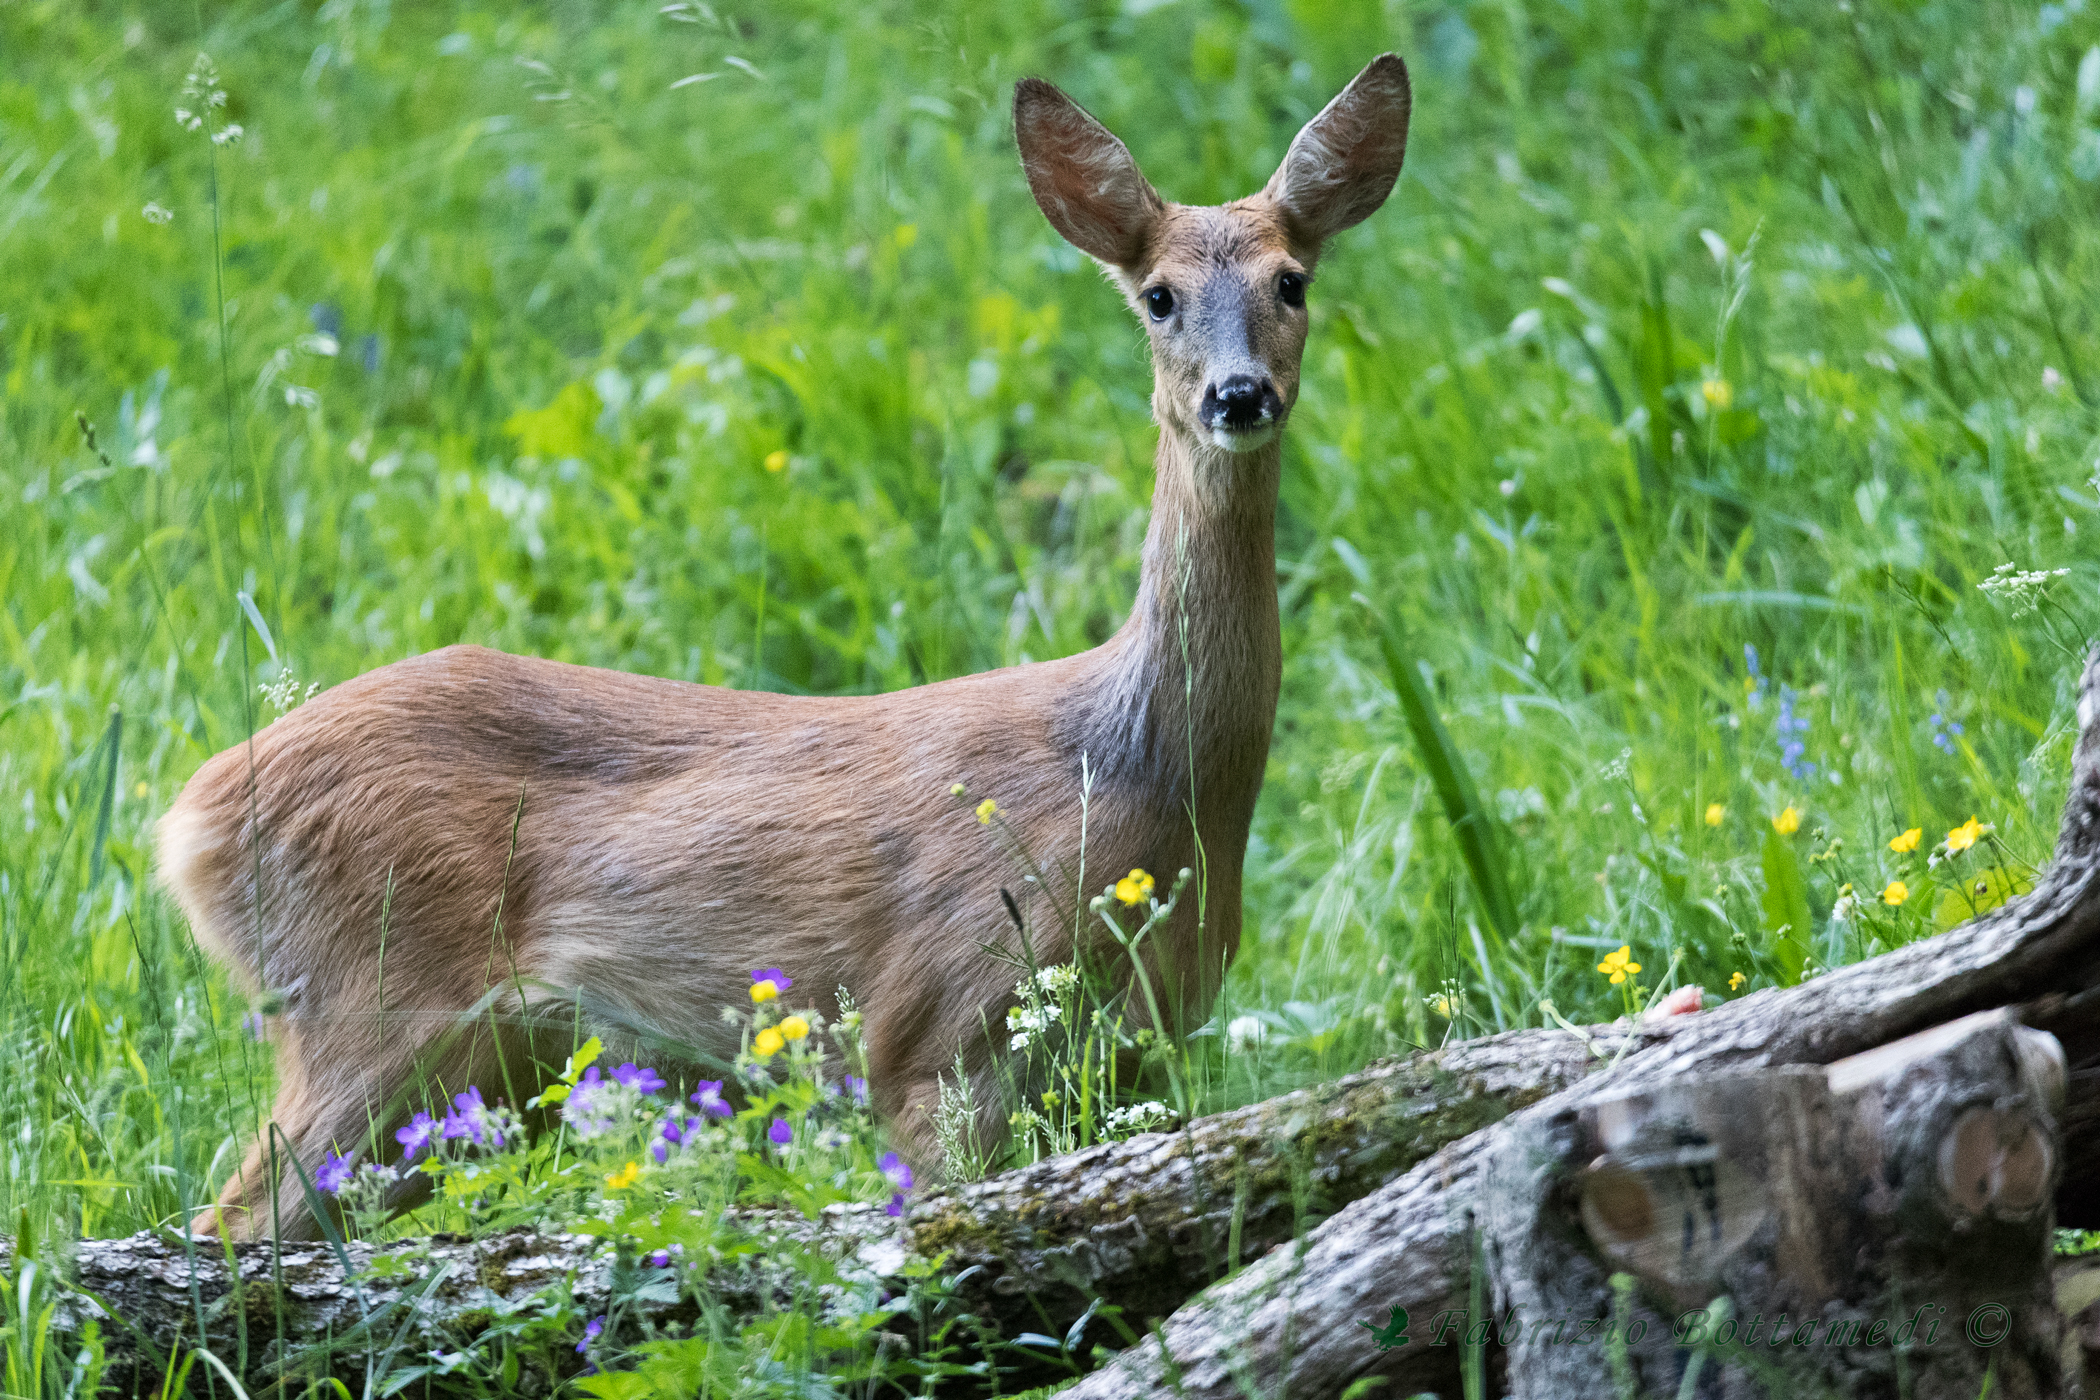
(794, 1028)
(421, 1131)
(768, 1043)
(1787, 822)
(1908, 841)
(1718, 392)
(1134, 888)
(1735, 980)
(769, 982)
(624, 1177)
(1715, 814)
(986, 810)
(709, 1097)
(777, 460)
(1620, 965)
(1896, 893)
(1965, 835)
(333, 1174)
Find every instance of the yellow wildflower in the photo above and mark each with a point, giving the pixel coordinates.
(1441, 1005)
(768, 1043)
(777, 460)
(1718, 392)
(1787, 822)
(986, 810)
(1964, 836)
(1896, 893)
(1908, 841)
(1620, 965)
(1735, 980)
(1715, 814)
(1134, 888)
(624, 1177)
(764, 990)
(794, 1028)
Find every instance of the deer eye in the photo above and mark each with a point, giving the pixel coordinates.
(1291, 287)
(1160, 302)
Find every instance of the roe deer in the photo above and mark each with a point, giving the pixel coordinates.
(649, 842)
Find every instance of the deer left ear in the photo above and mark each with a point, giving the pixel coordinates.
(1343, 164)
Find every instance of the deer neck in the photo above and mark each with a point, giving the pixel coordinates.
(1179, 704)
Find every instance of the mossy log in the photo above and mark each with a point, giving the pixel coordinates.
(1136, 1226)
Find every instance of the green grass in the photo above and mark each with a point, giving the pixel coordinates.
(1689, 327)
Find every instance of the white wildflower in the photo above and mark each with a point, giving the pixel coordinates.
(2020, 589)
(1138, 1118)
(156, 213)
(1245, 1032)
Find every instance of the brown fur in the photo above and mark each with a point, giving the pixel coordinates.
(673, 837)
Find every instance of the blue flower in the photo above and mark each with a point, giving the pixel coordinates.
(470, 1118)
(709, 1097)
(897, 1170)
(333, 1174)
(856, 1089)
(642, 1081)
(1754, 679)
(591, 1330)
(782, 1132)
(896, 1205)
(1944, 730)
(1791, 749)
(584, 1110)
(421, 1131)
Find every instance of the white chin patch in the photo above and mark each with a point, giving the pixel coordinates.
(1243, 441)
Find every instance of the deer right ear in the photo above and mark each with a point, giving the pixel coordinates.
(1083, 178)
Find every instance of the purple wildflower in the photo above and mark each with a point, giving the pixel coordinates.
(897, 1170)
(896, 1205)
(780, 980)
(254, 1025)
(1944, 729)
(782, 1132)
(639, 1079)
(333, 1174)
(1755, 680)
(856, 1089)
(591, 1330)
(421, 1131)
(709, 1098)
(660, 1260)
(470, 1118)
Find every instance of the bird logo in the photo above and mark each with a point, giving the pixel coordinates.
(1393, 1334)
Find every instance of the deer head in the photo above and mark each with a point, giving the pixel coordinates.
(1220, 290)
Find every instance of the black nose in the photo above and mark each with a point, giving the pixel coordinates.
(1239, 403)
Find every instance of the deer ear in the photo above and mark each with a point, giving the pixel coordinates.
(1343, 164)
(1084, 179)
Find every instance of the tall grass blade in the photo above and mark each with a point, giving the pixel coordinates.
(1471, 822)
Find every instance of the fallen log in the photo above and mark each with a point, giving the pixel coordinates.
(1132, 1227)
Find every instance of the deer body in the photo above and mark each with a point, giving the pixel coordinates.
(648, 842)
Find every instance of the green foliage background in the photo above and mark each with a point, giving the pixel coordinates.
(486, 329)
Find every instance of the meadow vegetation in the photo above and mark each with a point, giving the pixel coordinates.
(1693, 488)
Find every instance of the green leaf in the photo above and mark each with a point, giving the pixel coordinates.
(1787, 916)
(1471, 823)
(1972, 896)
